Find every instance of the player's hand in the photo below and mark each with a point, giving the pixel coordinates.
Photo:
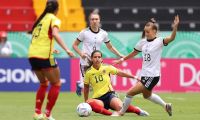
(135, 77)
(118, 61)
(176, 21)
(83, 55)
(56, 51)
(70, 53)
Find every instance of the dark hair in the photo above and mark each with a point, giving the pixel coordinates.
(51, 7)
(95, 51)
(90, 63)
(154, 26)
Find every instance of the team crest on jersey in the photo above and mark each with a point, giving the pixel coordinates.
(104, 71)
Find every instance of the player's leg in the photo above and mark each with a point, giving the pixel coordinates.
(128, 98)
(116, 104)
(147, 94)
(40, 95)
(98, 106)
(53, 75)
(79, 83)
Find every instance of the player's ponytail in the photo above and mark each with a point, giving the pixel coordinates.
(143, 34)
(51, 7)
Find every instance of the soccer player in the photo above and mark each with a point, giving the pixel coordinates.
(44, 33)
(151, 48)
(104, 97)
(92, 39)
(5, 45)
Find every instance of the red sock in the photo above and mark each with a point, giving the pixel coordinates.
(99, 109)
(133, 109)
(52, 97)
(40, 95)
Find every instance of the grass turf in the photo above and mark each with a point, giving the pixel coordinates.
(20, 106)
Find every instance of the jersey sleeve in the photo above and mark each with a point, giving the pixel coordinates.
(106, 39)
(56, 22)
(112, 70)
(81, 36)
(86, 78)
(138, 46)
(163, 41)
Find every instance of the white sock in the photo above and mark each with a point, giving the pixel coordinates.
(126, 103)
(157, 99)
(81, 84)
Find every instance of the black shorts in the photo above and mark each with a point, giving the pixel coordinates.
(106, 98)
(149, 82)
(38, 64)
(83, 69)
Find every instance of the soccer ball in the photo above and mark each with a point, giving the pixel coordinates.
(84, 110)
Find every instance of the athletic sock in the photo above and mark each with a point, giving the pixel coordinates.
(133, 109)
(40, 95)
(157, 99)
(99, 109)
(52, 97)
(126, 103)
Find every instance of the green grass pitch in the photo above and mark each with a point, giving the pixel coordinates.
(20, 106)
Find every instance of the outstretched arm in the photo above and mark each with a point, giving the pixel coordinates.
(132, 54)
(75, 47)
(61, 42)
(173, 34)
(113, 49)
(123, 74)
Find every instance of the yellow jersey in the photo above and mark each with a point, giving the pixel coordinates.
(42, 43)
(99, 80)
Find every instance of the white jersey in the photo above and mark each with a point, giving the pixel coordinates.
(91, 41)
(151, 53)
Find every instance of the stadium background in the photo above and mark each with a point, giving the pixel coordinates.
(124, 21)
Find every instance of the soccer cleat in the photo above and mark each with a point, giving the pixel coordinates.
(168, 108)
(78, 89)
(49, 118)
(143, 112)
(38, 116)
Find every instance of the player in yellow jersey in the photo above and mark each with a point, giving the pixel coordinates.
(104, 97)
(44, 33)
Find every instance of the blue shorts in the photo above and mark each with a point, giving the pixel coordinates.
(106, 99)
(38, 64)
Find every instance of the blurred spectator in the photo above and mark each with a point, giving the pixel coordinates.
(5, 46)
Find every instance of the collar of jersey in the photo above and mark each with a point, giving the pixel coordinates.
(95, 68)
(94, 31)
(150, 40)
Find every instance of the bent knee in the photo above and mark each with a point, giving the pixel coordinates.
(44, 83)
(89, 101)
(57, 83)
(146, 96)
